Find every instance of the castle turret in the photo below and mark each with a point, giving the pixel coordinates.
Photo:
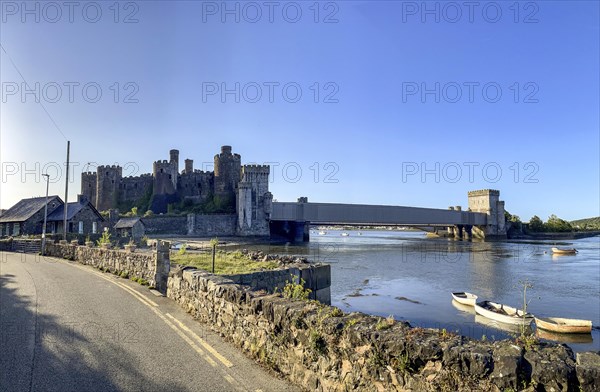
(227, 174)
(107, 192)
(189, 166)
(174, 160)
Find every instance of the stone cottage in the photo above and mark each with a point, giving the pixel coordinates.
(27, 216)
(82, 218)
(131, 227)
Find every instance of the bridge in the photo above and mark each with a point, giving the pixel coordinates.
(483, 219)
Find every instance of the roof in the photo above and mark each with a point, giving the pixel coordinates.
(127, 223)
(72, 210)
(26, 208)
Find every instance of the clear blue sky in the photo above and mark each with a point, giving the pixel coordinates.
(371, 65)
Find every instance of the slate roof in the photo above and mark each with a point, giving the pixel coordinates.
(26, 208)
(127, 223)
(72, 209)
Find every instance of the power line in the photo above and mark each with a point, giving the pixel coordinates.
(26, 84)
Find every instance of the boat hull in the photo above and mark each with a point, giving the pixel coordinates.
(465, 298)
(512, 316)
(562, 325)
(558, 251)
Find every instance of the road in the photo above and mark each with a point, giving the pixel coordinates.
(69, 327)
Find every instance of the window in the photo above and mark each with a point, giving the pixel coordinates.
(80, 227)
(94, 227)
(16, 229)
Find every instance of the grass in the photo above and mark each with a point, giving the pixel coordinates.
(226, 263)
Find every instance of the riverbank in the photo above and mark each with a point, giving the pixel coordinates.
(575, 235)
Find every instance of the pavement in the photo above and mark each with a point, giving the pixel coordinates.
(68, 327)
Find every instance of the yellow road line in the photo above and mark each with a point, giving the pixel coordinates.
(204, 344)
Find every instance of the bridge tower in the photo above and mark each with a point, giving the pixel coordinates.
(488, 201)
(254, 200)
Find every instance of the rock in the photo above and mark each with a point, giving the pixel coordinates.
(507, 361)
(552, 368)
(588, 371)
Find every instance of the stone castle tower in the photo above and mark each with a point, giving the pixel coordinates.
(228, 168)
(488, 201)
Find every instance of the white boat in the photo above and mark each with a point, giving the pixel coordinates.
(359, 233)
(465, 298)
(564, 251)
(563, 325)
(322, 232)
(345, 234)
(503, 313)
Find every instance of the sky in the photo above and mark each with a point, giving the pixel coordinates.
(378, 102)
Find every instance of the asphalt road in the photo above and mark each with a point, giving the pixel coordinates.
(68, 327)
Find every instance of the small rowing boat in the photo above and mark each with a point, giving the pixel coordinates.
(564, 251)
(465, 298)
(563, 325)
(345, 234)
(503, 313)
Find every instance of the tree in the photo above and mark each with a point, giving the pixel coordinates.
(555, 224)
(536, 224)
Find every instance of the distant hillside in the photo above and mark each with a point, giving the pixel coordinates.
(587, 224)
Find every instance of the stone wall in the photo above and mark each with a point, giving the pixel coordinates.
(322, 349)
(210, 225)
(317, 278)
(20, 245)
(152, 267)
(160, 224)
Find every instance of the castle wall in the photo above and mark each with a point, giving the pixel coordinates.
(135, 188)
(197, 185)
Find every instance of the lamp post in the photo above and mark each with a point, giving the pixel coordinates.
(45, 215)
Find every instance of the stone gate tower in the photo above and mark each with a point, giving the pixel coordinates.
(488, 202)
(254, 201)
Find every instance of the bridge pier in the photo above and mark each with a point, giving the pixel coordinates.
(290, 231)
(469, 232)
(458, 231)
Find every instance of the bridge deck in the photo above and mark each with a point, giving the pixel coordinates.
(362, 214)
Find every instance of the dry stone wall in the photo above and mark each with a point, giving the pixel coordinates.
(153, 267)
(322, 349)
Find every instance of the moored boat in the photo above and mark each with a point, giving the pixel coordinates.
(564, 251)
(503, 313)
(345, 234)
(563, 325)
(322, 232)
(465, 298)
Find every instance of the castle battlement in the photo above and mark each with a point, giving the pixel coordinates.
(484, 192)
(259, 169)
(109, 167)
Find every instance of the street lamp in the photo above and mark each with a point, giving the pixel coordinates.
(45, 215)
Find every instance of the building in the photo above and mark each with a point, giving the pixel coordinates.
(27, 216)
(242, 190)
(131, 227)
(82, 218)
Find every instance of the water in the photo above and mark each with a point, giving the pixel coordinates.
(410, 277)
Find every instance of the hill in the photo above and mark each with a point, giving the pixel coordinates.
(587, 224)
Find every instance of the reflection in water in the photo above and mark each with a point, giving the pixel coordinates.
(464, 308)
(564, 337)
(510, 328)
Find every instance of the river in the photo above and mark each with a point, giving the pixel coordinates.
(409, 276)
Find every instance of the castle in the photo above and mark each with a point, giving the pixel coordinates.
(243, 190)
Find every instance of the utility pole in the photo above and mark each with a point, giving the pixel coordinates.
(66, 194)
(45, 215)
